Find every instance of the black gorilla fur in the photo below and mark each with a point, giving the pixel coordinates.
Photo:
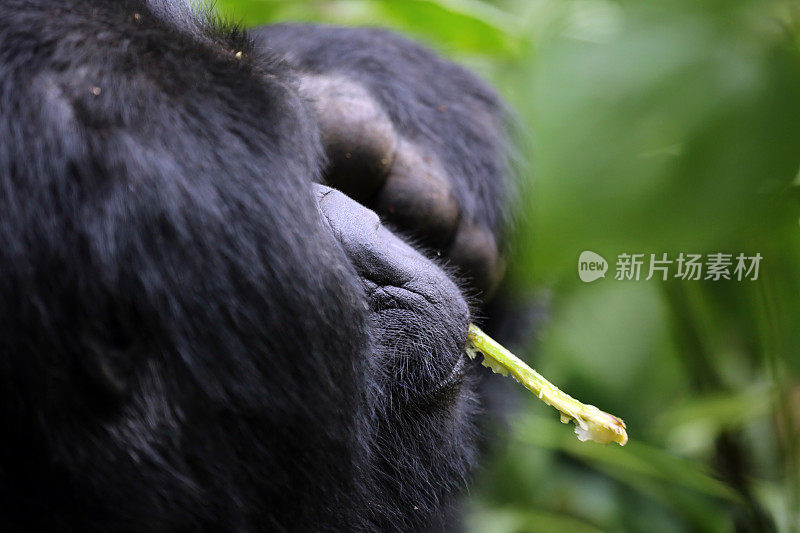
(192, 334)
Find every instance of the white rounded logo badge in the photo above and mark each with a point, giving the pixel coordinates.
(591, 266)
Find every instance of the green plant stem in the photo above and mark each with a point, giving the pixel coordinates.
(590, 422)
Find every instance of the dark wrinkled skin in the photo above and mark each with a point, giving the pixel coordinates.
(409, 297)
(195, 334)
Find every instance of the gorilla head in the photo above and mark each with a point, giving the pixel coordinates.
(195, 335)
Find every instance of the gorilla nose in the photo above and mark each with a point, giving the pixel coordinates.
(420, 315)
(382, 257)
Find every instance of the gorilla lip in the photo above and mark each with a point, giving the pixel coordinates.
(457, 372)
(590, 422)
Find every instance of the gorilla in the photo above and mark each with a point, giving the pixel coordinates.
(236, 271)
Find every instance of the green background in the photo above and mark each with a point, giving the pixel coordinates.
(645, 127)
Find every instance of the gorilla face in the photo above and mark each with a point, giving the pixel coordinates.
(193, 334)
(419, 399)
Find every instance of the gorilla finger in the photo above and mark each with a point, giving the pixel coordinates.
(475, 254)
(357, 135)
(418, 197)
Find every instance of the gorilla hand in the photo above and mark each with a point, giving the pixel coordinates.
(417, 139)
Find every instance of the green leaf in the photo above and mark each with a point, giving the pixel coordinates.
(636, 458)
(508, 520)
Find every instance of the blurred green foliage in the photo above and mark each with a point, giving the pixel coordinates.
(647, 127)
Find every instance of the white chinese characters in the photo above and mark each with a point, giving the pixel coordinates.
(688, 267)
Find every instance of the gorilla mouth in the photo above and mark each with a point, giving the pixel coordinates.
(456, 374)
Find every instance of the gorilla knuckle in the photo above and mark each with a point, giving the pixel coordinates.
(358, 136)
